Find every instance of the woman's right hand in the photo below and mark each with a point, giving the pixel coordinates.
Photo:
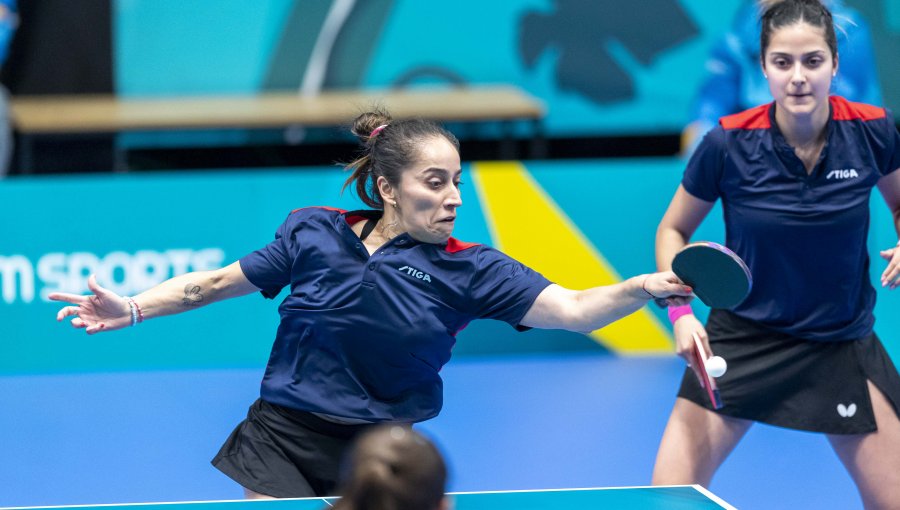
(666, 285)
(685, 328)
(104, 310)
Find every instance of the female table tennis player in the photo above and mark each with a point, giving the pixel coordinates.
(794, 177)
(375, 300)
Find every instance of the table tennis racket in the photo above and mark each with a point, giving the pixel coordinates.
(708, 383)
(716, 274)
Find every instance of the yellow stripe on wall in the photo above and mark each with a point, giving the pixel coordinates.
(529, 226)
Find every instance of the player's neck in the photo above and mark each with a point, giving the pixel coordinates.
(804, 132)
(388, 229)
(385, 229)
(806, 135)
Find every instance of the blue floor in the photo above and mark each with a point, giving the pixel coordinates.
(526, 422)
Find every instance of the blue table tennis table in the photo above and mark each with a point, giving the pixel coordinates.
(680, 497)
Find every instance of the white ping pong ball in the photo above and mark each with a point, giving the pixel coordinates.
(716, 366)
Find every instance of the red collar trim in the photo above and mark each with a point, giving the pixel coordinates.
(455, 245)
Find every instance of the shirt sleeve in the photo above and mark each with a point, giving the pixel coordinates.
(269, 268)
(704, 169)
(504, 288)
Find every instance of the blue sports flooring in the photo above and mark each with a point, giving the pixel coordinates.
(523, 422)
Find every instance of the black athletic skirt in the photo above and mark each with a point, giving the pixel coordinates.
(785, 381)
(286, 453)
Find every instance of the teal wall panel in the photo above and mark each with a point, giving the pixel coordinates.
(171, 47)
(600, 69)
(205, 47)
(892, 9)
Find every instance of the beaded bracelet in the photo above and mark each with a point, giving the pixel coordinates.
(137, 315)
(139, 311)
(676, 312)
(133, 311)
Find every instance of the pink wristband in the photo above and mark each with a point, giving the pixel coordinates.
(676, 312)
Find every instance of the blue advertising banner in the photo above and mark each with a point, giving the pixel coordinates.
(585, 223)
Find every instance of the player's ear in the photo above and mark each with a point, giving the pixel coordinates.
(385, 189)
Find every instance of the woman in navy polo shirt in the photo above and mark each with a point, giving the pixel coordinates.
(375, 300)
(794, 177)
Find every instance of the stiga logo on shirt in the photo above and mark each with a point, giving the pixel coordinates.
(844, 173)
(415, 272)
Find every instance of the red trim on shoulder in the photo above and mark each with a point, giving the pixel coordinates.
(841, 109)
(754, 118)
(455, 245)
(353, 219)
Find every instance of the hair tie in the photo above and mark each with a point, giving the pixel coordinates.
(377, 130)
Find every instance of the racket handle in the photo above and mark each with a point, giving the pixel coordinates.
(699, 345)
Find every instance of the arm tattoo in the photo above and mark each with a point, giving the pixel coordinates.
(192, 295)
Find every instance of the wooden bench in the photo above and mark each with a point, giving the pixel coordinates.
(34, 116)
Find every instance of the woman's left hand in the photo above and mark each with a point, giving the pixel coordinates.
(892, 271)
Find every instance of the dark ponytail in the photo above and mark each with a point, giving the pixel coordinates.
(366, 128)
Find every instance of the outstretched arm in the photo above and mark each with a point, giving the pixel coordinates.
(104, 310)
(584, 311)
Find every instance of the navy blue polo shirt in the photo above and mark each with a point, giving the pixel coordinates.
(364, 337)
(803, 236)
